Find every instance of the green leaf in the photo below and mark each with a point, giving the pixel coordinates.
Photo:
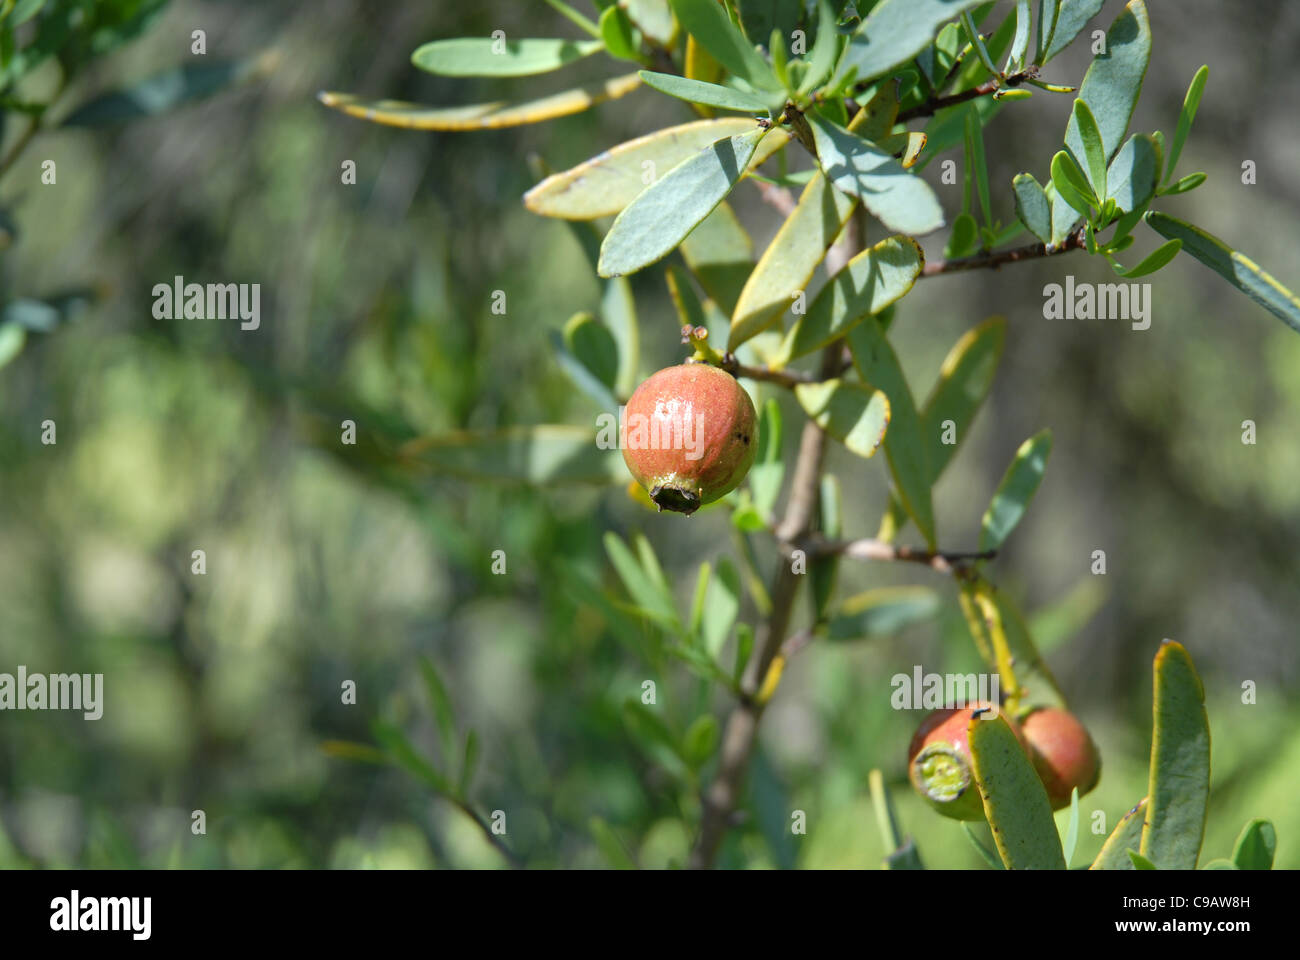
(964, 381)
(721, 607)
(468, 764)
(823, 572)
(825, 50)
(1064, 216)
(1242, 272)
(976, 165)
(1190, 103)
(618, 310)
(790, 259)
(700, 741)
(1126, 835)
(1020, 45)
(1156, 259)
(1023, 649)
(399, 748)
(851, 412)
(1140, 862)
(981, 847)
(902, 201)
(12, 339)
(610, 846)
(1018, 486)
(708, 23)
(157, 94)
(1256, 846)
(905, 444)
(896, 31)
(574, 17)
(489, 57)
(480, 116)
(977, 44)
(1047, 13)
(697, 91)
(540, 455)
(1071, 185)
(587, 352)
(720, 254)
(760, 17)
(1093, 152)
(654, 17)
(1015, 800)
(1131, 180)
(1071, 837)
(1180, 763)
(443, 717)
(1032, 206)
(647, 590)
(1183, 184)
(867, 284)
(660, 218)
(621, 38)
(1111, 86)
(964, 236)
(882, 612)
(766, 474)
(607, 183)
(1071, 17)
(1220, 863)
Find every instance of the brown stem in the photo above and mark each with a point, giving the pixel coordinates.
(870, 549)
(993, 259)
(934, 104)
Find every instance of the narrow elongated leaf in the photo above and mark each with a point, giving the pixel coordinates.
(983, 849)
(1256, 846)
(976, 165)
(654, 17)
(824, 571)
(1071, 836)
(825, 49)
(479, 116)
(1018, 486)
(901, 200)
(851, 412)
(882, 612)
(582, 376)
(670, 208)
(1020, 44)
(489, 57)
(709, 94)
(769, 467)
(605, 184)
(1126, 836)
(1190, 103)
(896, 31)
(964, 382)
(1111, 86)
(866, 285)
(1156, 259)
(1047, 11)
(707, 22)
(1015, 800)
(1238, 269)
(1071, 185)
(1032, 206)
(1093, 156)
(468, 764)
(905, 444)
(608, 843)
(399, 748)
(1140, 862)
(444, 719)
(721, 607)
(12, 339)
(720, 254)
(622, 40)
(1071, 17)
(593, 345)
(535, 455)
(791, 258)
(1179, 789)
(649, 593)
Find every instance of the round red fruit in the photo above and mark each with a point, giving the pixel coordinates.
(1063, 753)
(939, 763)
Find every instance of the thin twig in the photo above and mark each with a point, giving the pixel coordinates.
(871, 549)
(778, 197)
(991, 260)
(935, 104)
(511, 857)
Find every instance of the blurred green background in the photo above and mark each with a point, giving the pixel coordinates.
(326, 564)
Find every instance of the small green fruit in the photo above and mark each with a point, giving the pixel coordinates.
(1063, 753)
(939, 762)
(690, 436)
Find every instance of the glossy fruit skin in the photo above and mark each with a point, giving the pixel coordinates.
(690, 436)
(1063, 753)
(939, 764)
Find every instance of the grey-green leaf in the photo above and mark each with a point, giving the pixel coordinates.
(1238, 269)
(1131, 179)
(1017, 488)
(1032, 206)
(902, 201)
(882, 612)
(493, 57)
(1256, 846)
(1093, 153)
(708, 23)
(1111, 86)
(1070, 19)
(1156, 259)
(665, 212)
(896, 31)
(1126, 836)
(709, 94)
(157, 94)
(1190, 103)
(1015, 800)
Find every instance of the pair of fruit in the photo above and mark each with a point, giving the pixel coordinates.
(939, 762)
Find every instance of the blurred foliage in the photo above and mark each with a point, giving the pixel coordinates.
(326, 566)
